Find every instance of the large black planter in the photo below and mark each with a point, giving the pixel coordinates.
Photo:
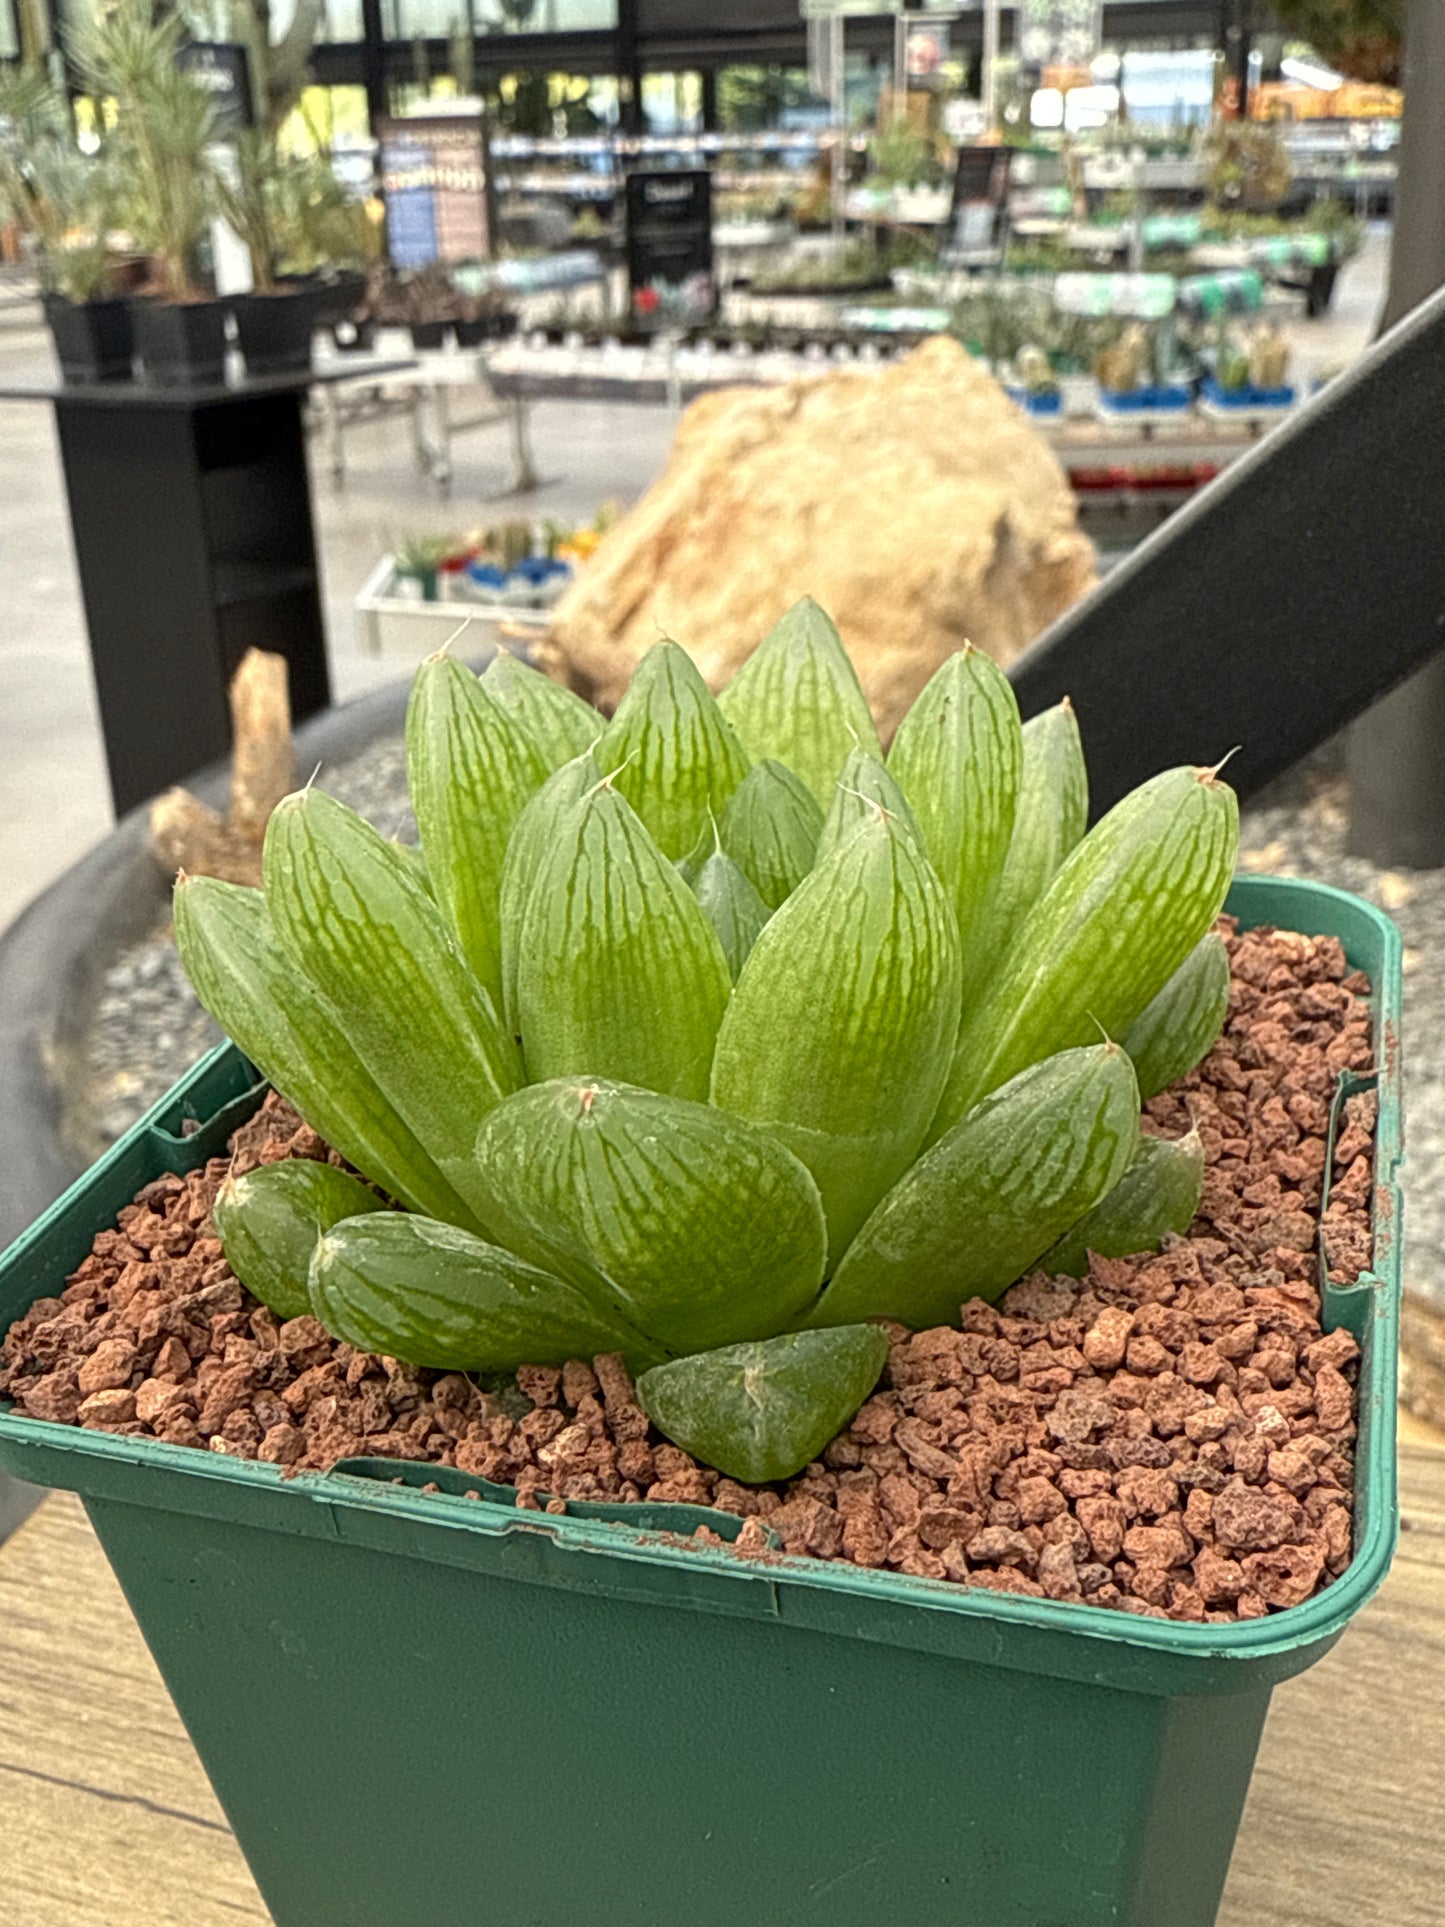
(94, 340)
(275, 329)
(182, 343)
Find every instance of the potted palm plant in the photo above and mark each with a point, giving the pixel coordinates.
(64, 200)
(274, 320)
(159, 149)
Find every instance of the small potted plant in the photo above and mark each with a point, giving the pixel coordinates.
(307, 239)
(64, 200)
(673, 1019)
(158, 146)
(418, 560)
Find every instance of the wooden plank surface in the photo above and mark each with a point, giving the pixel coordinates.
(106, 1819)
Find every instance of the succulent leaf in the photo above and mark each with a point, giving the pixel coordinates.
(1052, 815)
(797, 699)
(701, 1226)
(433, 1295)
(957, 756)
(838, 1034)
(470, 770)
(297, 1040)
(864, 787)
(732, 906)
(1178, 1028)
(558, 721)
(770, 829)
(1158, 1193)
(763, 1411)
(977, 1209)
(352, 917)
(669, 752)
(619, 972)
(530, 841)
(1126, 909)
(268, 1221)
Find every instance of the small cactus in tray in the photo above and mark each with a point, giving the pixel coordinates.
(709, 1035)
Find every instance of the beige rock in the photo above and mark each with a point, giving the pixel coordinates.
(916, 504)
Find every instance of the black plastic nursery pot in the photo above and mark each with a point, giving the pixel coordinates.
(182, 343)
(422, 1707)
(429, 334)
(94, 340)
(274, 330)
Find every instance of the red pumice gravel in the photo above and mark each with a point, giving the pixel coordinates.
(1172, 1435)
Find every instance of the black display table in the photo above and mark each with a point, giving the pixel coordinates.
(191, 514)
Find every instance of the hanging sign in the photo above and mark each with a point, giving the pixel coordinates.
(434, 180)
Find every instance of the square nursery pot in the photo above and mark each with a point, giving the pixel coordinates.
(182, 344)
(419, 1708)
(94, 340)
(275, 329)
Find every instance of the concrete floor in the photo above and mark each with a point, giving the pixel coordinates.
(54, 801)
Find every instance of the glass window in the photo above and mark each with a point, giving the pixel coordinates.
(439, 19)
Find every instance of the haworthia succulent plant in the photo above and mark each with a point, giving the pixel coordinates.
(656, 1076)
(619, 972)
(669, 752)
(838, 1035)
(797, 699)
(560, 723)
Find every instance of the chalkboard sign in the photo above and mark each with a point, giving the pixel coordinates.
(669, 244)
(434, 178)
(223, 71)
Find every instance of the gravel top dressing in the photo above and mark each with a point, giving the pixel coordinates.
(1170, 1435)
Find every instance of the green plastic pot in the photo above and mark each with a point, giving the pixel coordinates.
(422, 1708)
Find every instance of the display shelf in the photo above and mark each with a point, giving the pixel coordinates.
(386, 618)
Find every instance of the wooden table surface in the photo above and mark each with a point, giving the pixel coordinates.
(106, 1819)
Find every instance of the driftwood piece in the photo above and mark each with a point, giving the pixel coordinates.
(187, 834)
